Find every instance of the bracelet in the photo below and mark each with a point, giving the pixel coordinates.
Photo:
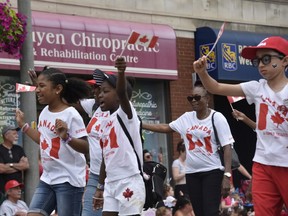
(100, 187)
(68, 139)
(25, 127)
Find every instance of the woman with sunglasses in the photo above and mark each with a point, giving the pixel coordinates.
(205, 176)
(270, 96)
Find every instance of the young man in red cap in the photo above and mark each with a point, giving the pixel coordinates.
(270, 96)
(13, 205)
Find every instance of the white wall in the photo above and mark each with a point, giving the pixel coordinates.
(183, 15)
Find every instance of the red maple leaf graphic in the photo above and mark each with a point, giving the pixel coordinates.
(144, 39)
(277, 119)
(97, 127)
(283, 109)
(127, 193)
(44, 145)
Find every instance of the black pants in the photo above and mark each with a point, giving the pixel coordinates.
(204, 189)
(178, 188)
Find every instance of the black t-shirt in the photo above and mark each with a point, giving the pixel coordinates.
(6, 157)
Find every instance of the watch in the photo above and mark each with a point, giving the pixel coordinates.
(100, 187)
(227, 174)
(11, 165)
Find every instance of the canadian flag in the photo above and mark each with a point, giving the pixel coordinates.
(24, 88)
(148, 41)
(233, 99)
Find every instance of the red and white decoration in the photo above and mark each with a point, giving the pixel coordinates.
(148, 41)
(233, 99)
(24, 88)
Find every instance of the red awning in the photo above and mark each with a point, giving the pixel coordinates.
(81, 44)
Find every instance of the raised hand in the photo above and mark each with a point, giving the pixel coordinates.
(200, 65)
(120, 64)
(20, 118)
(61, 128)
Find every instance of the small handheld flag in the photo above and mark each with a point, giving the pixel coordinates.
(145, 40)
(233, 99)
(148, 41)
(218, 37)
(24, 88)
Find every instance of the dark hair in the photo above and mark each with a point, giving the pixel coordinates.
(181, 146)
(181, 202)
(112, 80)
(161, 211)
(145, 151)
(73, 89)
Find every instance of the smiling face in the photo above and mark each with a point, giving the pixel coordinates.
(108, 98)
(47, 93)
(199, 103)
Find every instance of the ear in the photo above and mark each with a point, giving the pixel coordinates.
(59, 88)
(285, 61)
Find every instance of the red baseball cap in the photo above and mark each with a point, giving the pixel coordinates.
(275, 42)
(12, 184)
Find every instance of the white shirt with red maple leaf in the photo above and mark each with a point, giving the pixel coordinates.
(200, 142)
(119, 156)
(94, 133)
(60, 162)
(271, 120)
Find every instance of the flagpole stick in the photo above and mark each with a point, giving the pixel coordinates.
(233, 110)
(123, 50)
(217, 39)
(212, 49)
(17, 104)
(126, 44)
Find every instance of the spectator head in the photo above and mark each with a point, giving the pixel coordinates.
(147, 155)
(183, 204)
(181, 146)
(13, 189)
(168, 190)
(163, 211)
(9, 133)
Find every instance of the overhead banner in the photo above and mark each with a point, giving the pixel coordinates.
(225, 62)
(81, 44)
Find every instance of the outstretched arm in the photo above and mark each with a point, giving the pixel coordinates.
(160, 128)
(242, 117)
(121, 87)
(211, 84)
(244, 172)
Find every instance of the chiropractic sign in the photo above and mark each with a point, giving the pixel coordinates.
(81, 44)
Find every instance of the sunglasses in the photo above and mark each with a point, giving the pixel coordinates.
(266, 59)
(148, 156)
(10, 154)
(196, 98)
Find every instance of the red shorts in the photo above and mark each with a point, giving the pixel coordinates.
(269, 189)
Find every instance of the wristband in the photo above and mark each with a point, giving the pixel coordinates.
(100, 187)
(25, 127)
(68, 139)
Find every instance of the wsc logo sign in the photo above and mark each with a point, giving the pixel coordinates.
(229, 60)
(211, 59)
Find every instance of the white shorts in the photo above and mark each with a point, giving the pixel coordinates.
(126, 196)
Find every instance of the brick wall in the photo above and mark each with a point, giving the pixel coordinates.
(179, 89)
